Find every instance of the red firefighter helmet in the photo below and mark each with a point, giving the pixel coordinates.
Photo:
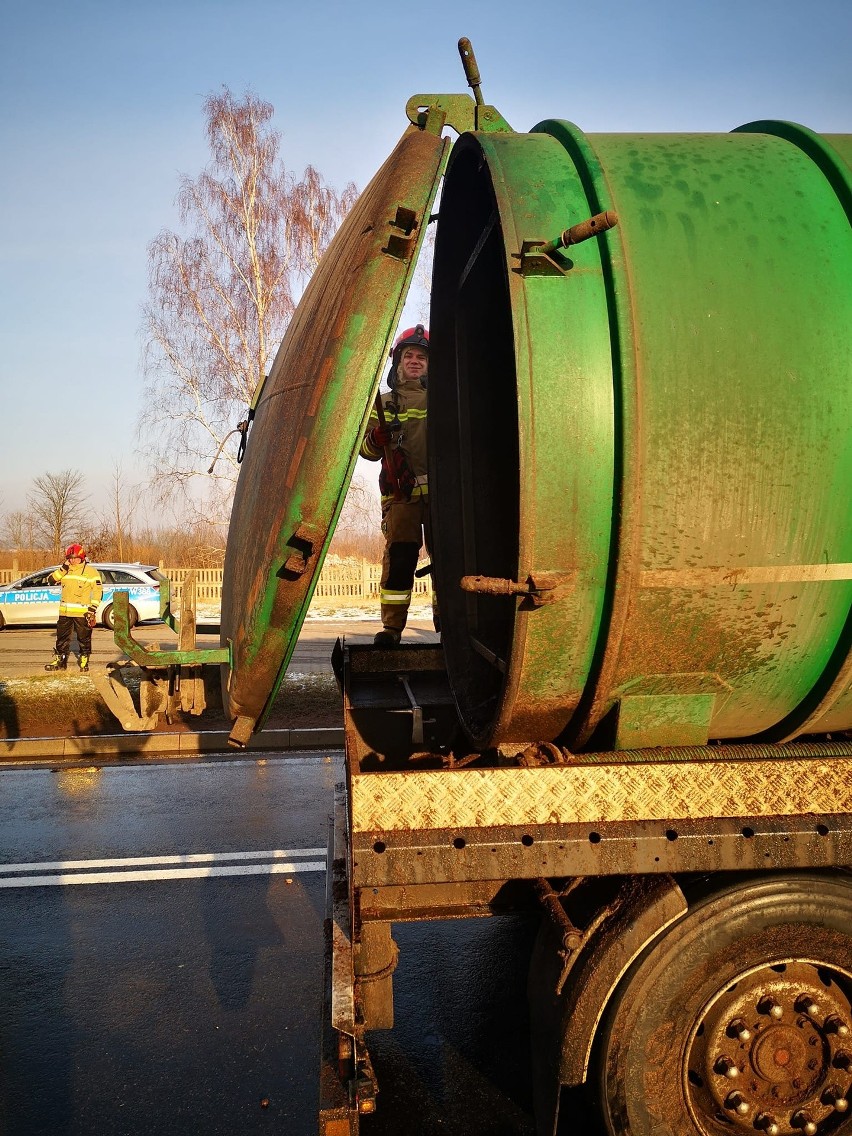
(75, 550)
(412, 337)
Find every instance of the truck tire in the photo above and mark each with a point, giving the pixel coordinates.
(738, 1018)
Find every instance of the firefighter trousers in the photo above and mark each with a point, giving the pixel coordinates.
(405, 525)
(65, 626)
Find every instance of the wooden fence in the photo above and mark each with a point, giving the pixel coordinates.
(342, 583)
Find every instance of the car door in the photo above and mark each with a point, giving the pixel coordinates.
(144, 596)
(33, 600)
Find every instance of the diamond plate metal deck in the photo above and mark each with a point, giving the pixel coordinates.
(492, 798)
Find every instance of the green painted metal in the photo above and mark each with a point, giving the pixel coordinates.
(663, 410)
(461, 112)
(310, 417)
(147, 657)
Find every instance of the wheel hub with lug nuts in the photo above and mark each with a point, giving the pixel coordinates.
(773, 1053)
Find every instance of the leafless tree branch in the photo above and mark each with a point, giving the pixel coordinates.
(221, 295)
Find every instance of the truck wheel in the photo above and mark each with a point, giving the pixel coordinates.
(738, 1019)
(109, 622)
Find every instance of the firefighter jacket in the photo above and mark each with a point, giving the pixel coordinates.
(81, 588)
(405, 404)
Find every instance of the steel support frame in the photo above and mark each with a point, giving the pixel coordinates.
(347, 1083)
(394, 870)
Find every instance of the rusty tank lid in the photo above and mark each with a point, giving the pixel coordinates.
(309, 419)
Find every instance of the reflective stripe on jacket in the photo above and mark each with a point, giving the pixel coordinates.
(81, 589)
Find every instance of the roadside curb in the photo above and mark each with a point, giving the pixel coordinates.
(210, 741)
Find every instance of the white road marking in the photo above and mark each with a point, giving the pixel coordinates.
(145, 869)
(139, 861)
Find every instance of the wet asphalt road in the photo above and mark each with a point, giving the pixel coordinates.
(182, 1001)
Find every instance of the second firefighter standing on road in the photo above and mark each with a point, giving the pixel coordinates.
(81, 593)
(399, 442)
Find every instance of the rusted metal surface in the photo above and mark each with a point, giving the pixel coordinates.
(583, 231)
(728, 1022)
(375, 956)
(337, 1116)
(471, 68)
(169, 680)
(469, 798)
(628, 915)
(462, 899)
(340, 921)
(771, 1048)
(617, 417)
(742, 844)
(310, 417)
(398, 707)
(570, 937)
(538, 589)
(348, 1085)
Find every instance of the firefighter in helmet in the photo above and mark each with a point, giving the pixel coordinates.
(397, 438)
(81, 593)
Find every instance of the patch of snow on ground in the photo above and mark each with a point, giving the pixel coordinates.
(209, 613)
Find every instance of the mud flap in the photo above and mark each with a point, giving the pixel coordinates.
(568, 991)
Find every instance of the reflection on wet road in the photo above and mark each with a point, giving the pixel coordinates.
(161, 964)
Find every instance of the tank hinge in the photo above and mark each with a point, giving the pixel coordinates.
(401, 241)
(459, 112)
(302, 541)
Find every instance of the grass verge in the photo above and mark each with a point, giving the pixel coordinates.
(67, 705)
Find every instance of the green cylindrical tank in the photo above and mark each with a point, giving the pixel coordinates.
(648, 431)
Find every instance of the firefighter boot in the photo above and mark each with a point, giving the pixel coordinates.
(57, 663)
(84, 663)
(387, 637)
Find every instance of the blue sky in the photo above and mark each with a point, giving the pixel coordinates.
(102, 110)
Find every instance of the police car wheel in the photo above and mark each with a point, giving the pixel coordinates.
(109, 622)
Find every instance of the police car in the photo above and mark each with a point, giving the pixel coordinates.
(34, 600)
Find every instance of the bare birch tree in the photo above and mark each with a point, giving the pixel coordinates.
(222, 293)
(57, 503)
(20, 531)
(112, 533)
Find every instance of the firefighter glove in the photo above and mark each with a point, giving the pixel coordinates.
(381, 436)
(401, 481)
(90, 617)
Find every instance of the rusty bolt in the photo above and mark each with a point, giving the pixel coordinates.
(806, 1005)
(843, 1060)
(725, 1067)
(767, 1123)
(738, 1029)
(770, 1007)
(736, 1102)
(805, 1121)
(834, 1097)
(835, 1024)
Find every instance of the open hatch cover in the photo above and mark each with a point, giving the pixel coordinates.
(309, 420)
